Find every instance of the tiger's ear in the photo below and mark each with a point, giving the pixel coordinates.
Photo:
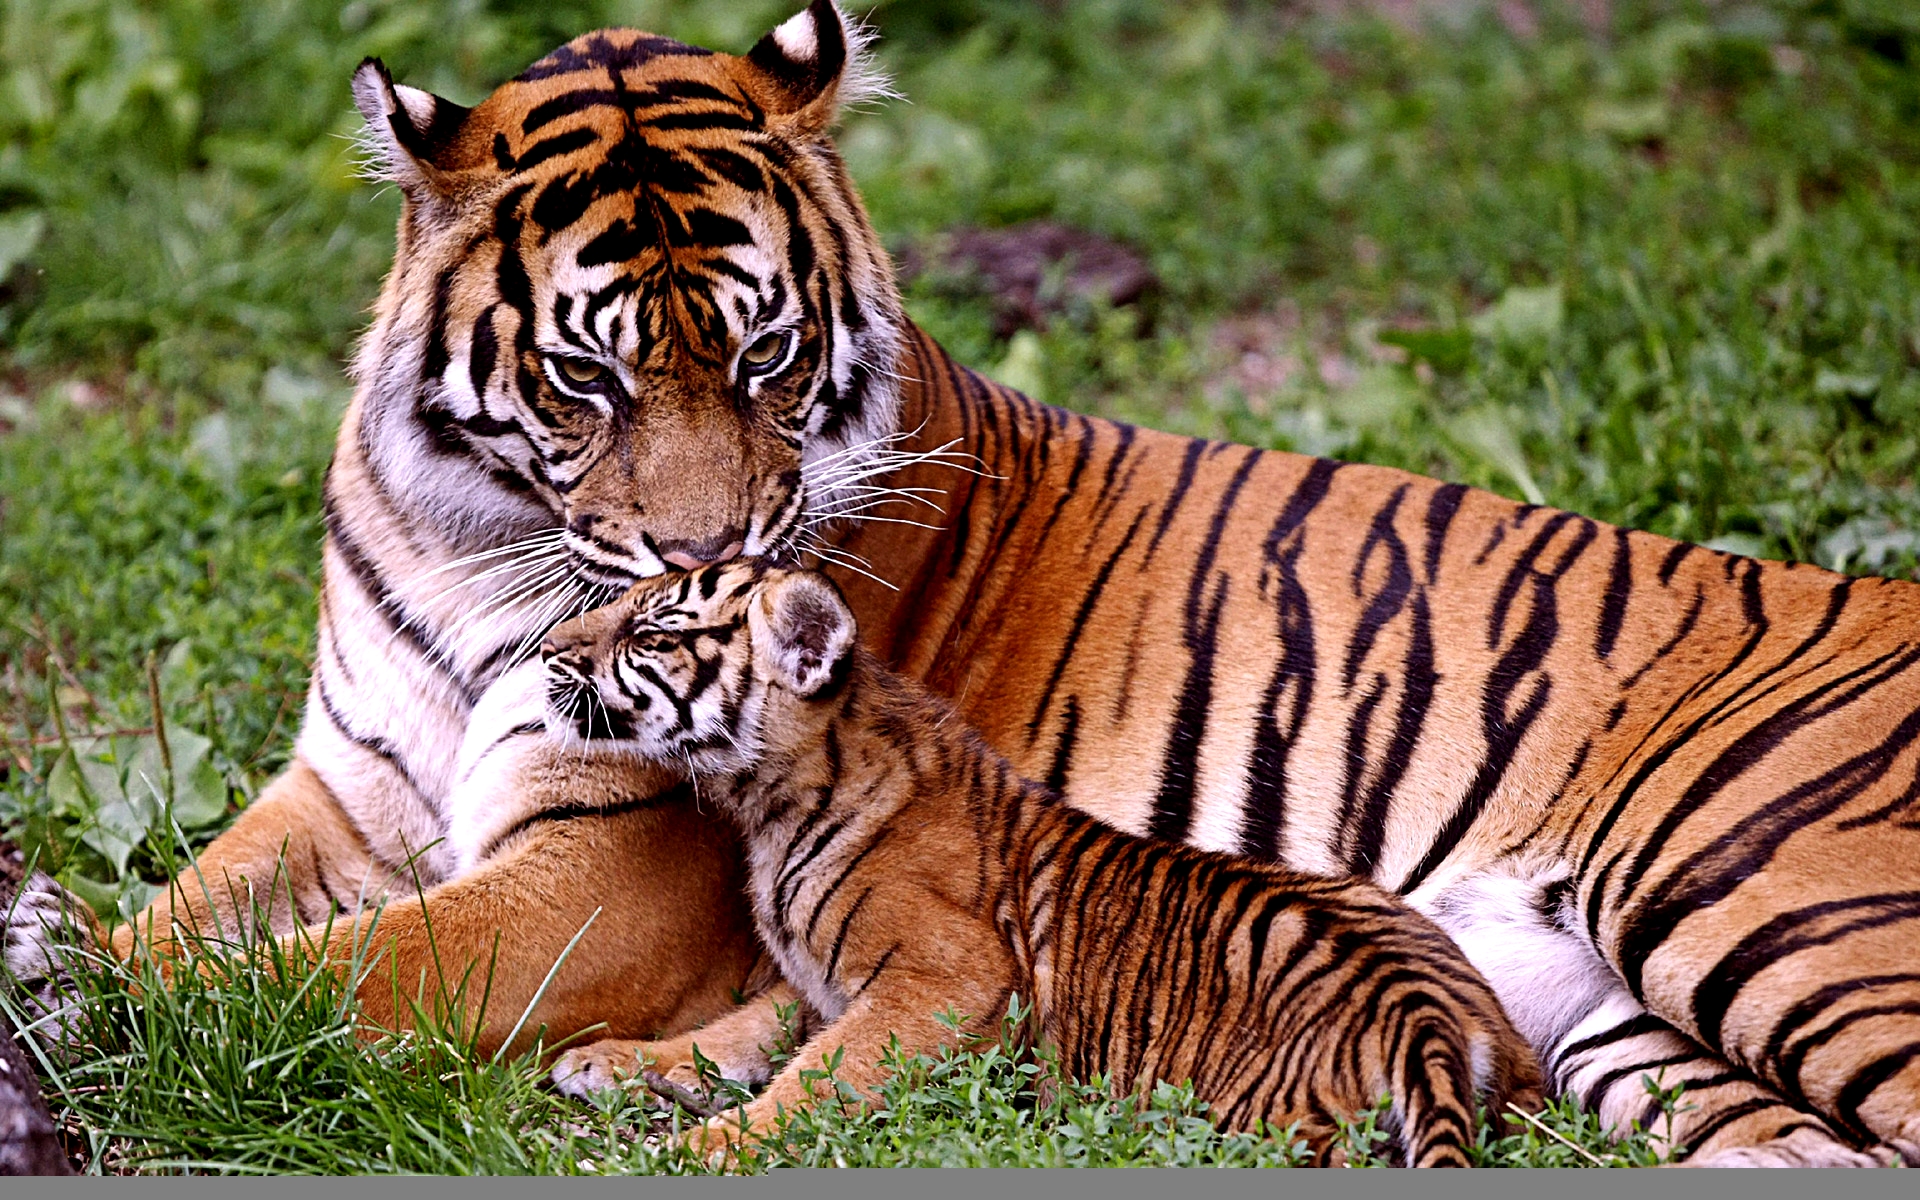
(812, 67)
(408, 132)
(803, 632)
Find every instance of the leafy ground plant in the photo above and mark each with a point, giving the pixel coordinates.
(1664, 272)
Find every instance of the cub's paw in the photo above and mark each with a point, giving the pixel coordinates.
(48, 933)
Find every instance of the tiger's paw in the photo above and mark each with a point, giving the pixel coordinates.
(599, 1067)
(47, 936)
(1804, 1147)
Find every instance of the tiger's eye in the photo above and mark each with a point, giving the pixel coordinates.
(579, 370)
(764, 351)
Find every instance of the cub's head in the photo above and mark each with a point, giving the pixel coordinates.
(699, 667)
(634, 296)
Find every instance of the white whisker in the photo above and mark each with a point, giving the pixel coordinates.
(538, 540)
(829, 518)
(837, 558)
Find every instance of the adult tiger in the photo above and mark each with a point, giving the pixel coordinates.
(638, 319)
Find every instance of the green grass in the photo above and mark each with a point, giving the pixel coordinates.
(1668, 276)
(249, 1063)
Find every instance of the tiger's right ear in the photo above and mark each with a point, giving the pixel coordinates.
(803, 632)
(408, 132)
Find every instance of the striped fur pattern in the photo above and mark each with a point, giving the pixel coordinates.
(1662, 797)
(899, 866)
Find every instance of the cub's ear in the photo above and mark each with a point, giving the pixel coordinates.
(812, 67)
(409, 133)
(803, 632)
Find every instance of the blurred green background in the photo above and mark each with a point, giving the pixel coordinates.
(1654, 261)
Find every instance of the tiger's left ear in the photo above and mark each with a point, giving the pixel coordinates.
(812, 67)
(803, 632)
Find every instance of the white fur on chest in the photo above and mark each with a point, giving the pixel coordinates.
(506, 740)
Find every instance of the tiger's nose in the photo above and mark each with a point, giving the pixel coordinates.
(691, 556)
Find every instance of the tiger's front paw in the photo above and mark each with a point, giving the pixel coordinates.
(48, 934)
(599, 1067)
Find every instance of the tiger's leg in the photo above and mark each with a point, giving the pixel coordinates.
(1600, 1045)
(290, 858)
(291, 855)
(668, 946)
(667, 941)
(1798, 959)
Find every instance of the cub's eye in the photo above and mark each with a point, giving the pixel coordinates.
(764, 354)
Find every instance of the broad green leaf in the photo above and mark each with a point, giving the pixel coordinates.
(66, 792)
(200, 797)
(1024, 369)
(1448, 351)
(124, 816)
(1828, 382)
(20, 234)
(102, 898)
(1488, 433)
(1524, 315)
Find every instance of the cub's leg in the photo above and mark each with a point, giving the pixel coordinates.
(908, 1009)
(1598, 1044)
(739, 1044)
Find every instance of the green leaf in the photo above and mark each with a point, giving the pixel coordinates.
(1447, 351)
(1024, 369)
(20, 234)
(200, 797)
(1488, 433)
(124, 816)
(1523, 315)
(100, 897)
(1835, 384)
(66, 792)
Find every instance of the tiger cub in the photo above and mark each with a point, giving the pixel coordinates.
(899, 869)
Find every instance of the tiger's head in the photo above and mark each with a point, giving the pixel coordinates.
(634, 295)
(701, 667)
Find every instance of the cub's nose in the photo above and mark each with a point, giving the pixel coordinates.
(691, 555)
(548, 648)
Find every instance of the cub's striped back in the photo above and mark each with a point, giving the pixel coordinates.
(899, 867)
